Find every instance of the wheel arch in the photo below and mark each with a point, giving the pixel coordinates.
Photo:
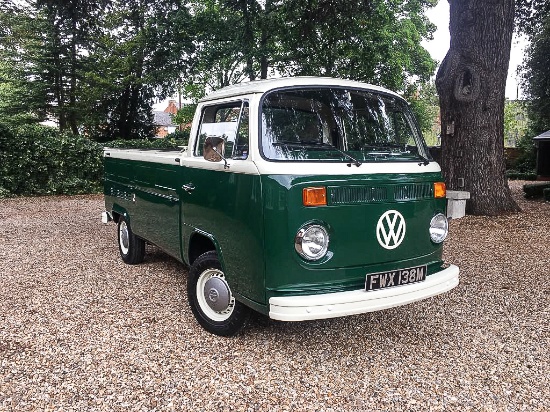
(119, 211)
(200, 243)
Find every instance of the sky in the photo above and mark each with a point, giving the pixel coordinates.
(438, 47)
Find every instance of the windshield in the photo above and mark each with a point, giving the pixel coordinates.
(336, 124)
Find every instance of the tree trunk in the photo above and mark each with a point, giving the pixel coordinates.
(471, 84)
(122, 130)
(72, 115)
(58, 70)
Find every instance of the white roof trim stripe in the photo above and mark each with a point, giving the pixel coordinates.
(263, 86)
(154, 156)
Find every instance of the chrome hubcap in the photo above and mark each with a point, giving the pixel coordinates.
(214, 295)
(217, 294)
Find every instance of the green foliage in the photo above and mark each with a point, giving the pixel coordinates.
(96, 65)
(38, 160)
(535, 190)
(527, 161)
(375, 41)
(173, 141)
(515, 175)
(529, 14)
(23, 99)
(184, 116)
(140, 53)
(180, 136)
(424, 103)
(92, 65)
(515, 121)
(536, 78)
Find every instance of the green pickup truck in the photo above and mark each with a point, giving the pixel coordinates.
(300, 198)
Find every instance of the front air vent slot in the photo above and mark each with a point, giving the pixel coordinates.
(413, 191)
(351, 195)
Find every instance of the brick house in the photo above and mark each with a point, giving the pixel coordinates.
(163, 120)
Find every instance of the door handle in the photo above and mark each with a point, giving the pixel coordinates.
(189, 187)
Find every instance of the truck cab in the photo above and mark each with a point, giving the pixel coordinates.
(300, 198)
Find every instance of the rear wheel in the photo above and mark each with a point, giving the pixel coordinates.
(211, 299)
(131, 247)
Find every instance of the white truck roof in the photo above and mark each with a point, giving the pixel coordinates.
(262, 86)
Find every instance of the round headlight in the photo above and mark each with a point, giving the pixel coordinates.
(312, 242)
(439, 227)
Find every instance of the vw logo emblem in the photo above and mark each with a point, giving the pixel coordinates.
(390, 229)
(213, 295)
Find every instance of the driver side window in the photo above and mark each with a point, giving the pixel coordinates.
(228, 121)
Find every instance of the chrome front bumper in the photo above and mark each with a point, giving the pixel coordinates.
(332, 305)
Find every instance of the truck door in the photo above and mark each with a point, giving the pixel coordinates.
(223, 198)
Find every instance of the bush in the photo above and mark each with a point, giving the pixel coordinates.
(526, 161)
(182, 135)
(167, 143)
(546, 194)
(535, 190)
(516, 175)
(39, 160)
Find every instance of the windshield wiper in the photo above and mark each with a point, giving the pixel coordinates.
(425, 160)
(386, 150)
(321, 144)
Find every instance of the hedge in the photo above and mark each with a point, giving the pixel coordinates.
(516, 175)
(39, 160)
(535, 190)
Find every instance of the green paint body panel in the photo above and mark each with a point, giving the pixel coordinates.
(149, 193)
(353, 249)
(253, 221)
(228, 206)
(225, 207)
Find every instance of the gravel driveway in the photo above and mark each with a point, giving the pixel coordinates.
(80, 330)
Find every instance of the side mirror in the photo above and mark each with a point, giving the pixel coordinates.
(213, 148)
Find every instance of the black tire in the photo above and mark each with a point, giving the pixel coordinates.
(131, 247)
(219, 313)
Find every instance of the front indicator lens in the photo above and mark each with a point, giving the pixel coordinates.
(440, 190)
(311, 242)
(439, 227)
(314, 196)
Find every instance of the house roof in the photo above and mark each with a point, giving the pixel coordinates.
(544, 136)
(262, 86)
(162, 119)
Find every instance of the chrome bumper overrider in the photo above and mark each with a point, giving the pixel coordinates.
(106, 217)
(332, 305)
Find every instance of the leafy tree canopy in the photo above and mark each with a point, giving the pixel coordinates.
(377, 41)
(536, 78)
(96, 65)
(530, 15)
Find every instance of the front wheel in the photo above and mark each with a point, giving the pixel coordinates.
(211, 299)
(131, 247)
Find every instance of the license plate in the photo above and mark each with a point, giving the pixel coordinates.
(382, 280)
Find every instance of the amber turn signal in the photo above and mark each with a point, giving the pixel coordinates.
(314, 196)
(440, 191)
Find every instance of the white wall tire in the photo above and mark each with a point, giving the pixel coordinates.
(206, 296)
(131, 247)
(211, 300)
